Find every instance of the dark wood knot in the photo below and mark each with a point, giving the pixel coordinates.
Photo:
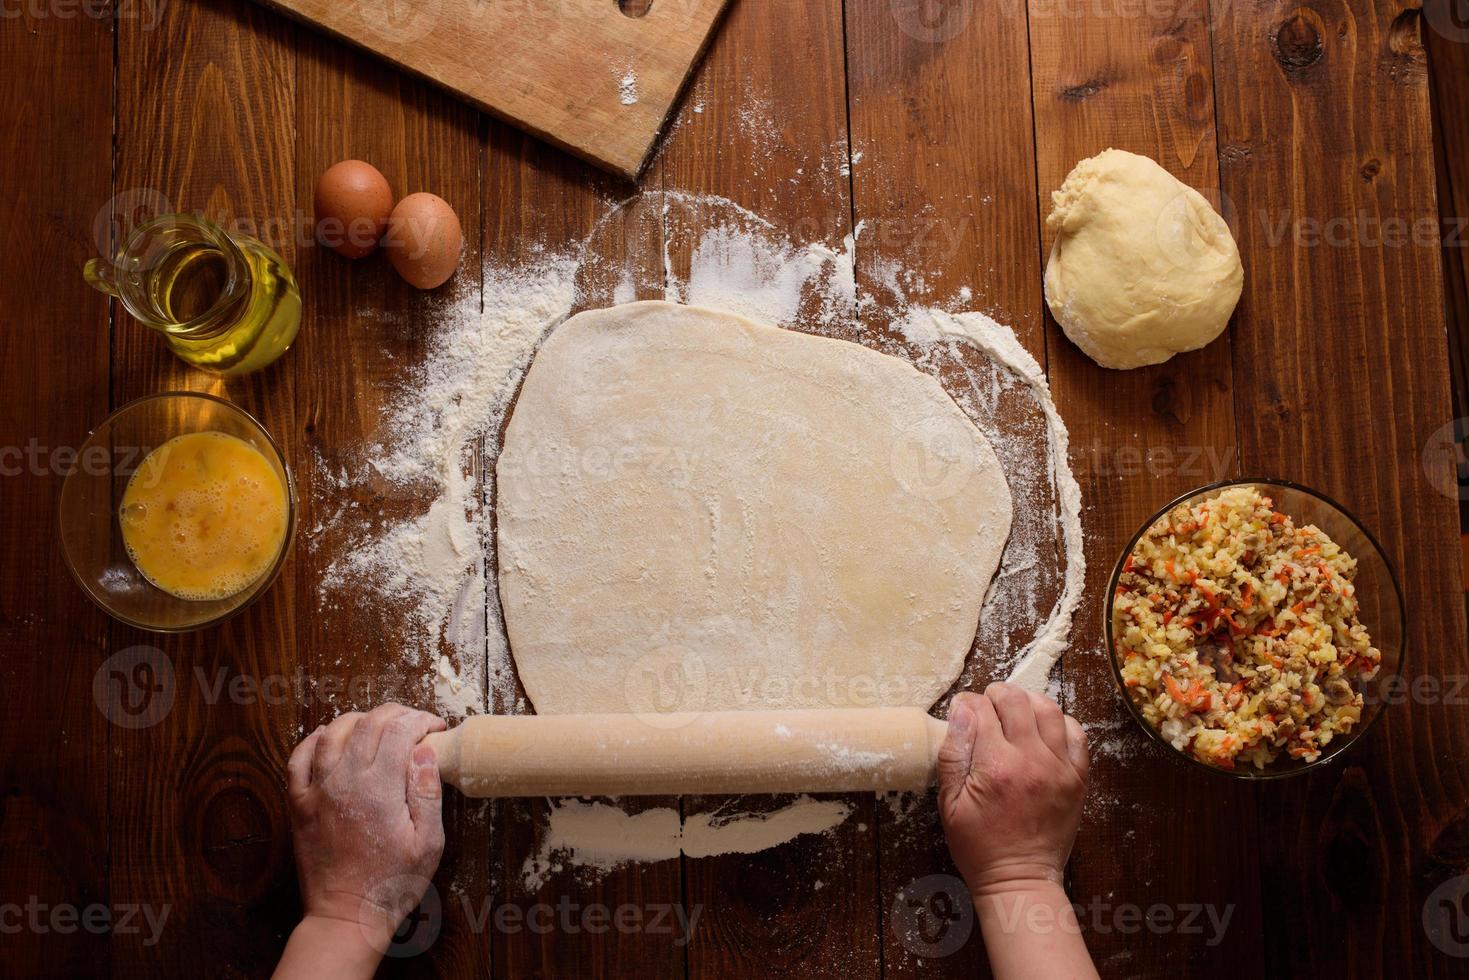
(237, 823)
(1235, 153)
(1168, 50)
(1084, 91)
(1404, 39)
(1166, 402)
(1349, 843)
(1276, 403)
(1448, 855)
(1297, 41)
(237, 832)
(1370, 169)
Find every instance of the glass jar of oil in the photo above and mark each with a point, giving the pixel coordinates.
(223, 301)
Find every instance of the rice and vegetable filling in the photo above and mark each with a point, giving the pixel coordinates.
(1237, 633)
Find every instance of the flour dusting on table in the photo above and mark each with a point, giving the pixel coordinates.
(604, 837)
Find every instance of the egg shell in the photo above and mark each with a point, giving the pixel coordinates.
(353, 202)
(424, 240)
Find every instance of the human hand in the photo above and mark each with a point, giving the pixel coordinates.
(1012, 775)
(366, 815)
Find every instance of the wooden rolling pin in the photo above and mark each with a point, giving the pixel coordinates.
(832, 750)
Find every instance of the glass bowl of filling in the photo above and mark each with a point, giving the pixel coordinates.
(177, 513)
(1255, 627)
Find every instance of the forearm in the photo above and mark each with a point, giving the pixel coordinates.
(1031, 933)
(322, 947)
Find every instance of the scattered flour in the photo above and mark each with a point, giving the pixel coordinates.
(455, 697)
(435, 563)
(604, 837)
(627, 88)
(736, 271)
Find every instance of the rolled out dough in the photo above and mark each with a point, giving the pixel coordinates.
(698, 512)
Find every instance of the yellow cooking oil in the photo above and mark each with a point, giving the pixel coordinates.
(204, 516)
(258, 328)
(223, 301)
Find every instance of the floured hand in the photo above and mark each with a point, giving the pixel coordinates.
(366, 814)
(1012, 776)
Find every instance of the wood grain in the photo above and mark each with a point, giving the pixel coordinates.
(54, 755)
(1155, 832)
(1331, 134)
(578, 73)
(1447, 43)
(206, 111)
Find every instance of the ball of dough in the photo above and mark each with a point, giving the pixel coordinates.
(1143, 267)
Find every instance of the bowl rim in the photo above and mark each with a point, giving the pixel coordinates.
(259, 587)
(1331, 753)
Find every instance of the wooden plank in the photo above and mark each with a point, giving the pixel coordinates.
(765, 126)
(54, 847)
(1155, 831)
(1447, 43)
(943, 181)
(1324, 131)
(544, 929)
(364, 333)
(596, 77)
(205, 112)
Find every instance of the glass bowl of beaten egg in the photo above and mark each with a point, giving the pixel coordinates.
(177, 512)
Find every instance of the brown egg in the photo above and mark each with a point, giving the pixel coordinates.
(353, 201)
(424, 240)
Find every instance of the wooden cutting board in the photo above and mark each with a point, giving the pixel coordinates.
(582, 74)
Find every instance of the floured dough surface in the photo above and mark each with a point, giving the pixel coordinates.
(698, 512)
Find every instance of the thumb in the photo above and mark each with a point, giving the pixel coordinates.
(956, 755)
(425, 794)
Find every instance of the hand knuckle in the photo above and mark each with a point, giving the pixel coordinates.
(1005, 778)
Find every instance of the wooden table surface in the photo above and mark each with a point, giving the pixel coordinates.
(1310, 122)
